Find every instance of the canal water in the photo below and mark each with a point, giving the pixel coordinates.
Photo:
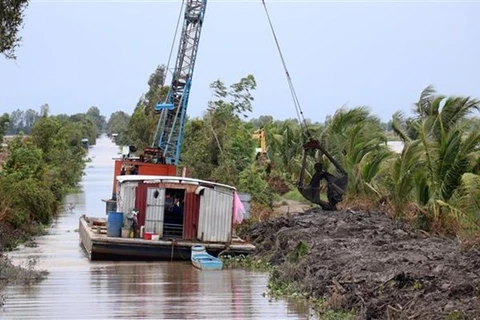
(77, 288)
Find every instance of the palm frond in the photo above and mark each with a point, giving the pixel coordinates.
(404, 167)
(455, 109)
(422, 107)
(421, 188)
(372, 162)
(399, 126)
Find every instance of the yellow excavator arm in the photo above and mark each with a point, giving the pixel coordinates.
(260, 134)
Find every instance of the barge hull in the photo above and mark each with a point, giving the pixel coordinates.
(100, 247)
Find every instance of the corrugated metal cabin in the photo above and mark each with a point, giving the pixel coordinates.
(178, 207)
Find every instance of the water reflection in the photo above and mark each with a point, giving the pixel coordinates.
(79, 289)
(177, 291)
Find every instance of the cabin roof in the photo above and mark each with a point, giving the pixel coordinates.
(170, 179)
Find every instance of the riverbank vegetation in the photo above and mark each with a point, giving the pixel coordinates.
(431, 183)
(44, 160)
(22, 121)
(39, 170)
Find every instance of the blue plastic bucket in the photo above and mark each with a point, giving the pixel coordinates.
(114, 224)
(197, 250)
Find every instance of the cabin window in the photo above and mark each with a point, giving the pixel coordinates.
(174, 212)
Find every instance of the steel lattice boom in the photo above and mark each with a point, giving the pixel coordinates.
(173, 111)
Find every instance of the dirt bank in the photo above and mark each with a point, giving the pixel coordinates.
(365, 262)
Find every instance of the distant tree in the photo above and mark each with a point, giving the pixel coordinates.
(44, 110)
(30, 117)
(21, 121)
(63, 117)
(98, 119)
(3, 121)
(15, 123)
(261, 121)
(11, 19)
(118, 123)
(87, 126)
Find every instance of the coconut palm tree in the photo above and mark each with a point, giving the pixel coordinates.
(285, 147)
(439, 150)
(357, 139)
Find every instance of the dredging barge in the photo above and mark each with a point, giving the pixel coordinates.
(156, 211)
(172, 215)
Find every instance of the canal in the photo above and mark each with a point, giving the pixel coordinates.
(79, 289)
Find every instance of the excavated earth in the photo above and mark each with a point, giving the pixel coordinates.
(365, 262)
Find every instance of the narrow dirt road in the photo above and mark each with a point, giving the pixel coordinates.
(366, 262)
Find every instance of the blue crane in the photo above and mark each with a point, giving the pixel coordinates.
(169, 133)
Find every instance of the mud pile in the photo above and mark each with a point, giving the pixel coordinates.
(363, 261)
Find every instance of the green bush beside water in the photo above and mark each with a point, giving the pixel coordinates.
(40, 169)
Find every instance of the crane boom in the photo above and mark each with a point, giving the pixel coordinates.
(169, 133)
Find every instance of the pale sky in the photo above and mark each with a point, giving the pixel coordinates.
(77, 54)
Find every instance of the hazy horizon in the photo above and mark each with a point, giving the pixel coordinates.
(78, 54)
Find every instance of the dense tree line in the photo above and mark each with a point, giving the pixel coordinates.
(42, 167)
(434, 182)
(22, 122)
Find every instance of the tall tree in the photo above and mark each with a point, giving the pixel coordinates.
(11, 19)
(99, 120)
(220, 145)
(142, 125)
(118, 122)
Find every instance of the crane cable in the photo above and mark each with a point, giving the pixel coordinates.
(296, 103)
(177, 27)
(174, 40)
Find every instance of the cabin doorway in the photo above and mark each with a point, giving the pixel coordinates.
(174, 213)
(154, 215)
